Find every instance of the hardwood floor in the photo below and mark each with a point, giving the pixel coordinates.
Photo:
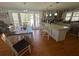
(43, 47)
(4, 48)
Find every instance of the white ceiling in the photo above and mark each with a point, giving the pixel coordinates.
(39, 5)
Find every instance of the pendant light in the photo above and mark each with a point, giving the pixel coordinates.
(46, 15)
(50, 14)
(56, 14)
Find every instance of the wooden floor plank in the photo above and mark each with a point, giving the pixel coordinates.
(43, 47)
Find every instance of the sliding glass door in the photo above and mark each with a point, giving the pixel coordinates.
(36, 21)
(15, 19)
(24, 19)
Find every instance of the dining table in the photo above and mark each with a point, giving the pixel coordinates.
(21, 33)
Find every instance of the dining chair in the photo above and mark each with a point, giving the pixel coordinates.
(43, 31)
(19, 48)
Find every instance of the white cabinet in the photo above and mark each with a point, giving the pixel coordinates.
(55, 34)
(56, 31)
(59, 35)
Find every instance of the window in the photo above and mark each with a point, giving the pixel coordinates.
(68, 16)
(15, 19)
(26, 19)
(37, 20)
(75, 16)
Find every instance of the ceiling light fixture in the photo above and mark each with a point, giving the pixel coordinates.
(46, 14)
(24, 3)
(57, 2)
(50, 14)
(56, 14)
(25, 10)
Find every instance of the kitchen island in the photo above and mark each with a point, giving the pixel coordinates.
(58, 32)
